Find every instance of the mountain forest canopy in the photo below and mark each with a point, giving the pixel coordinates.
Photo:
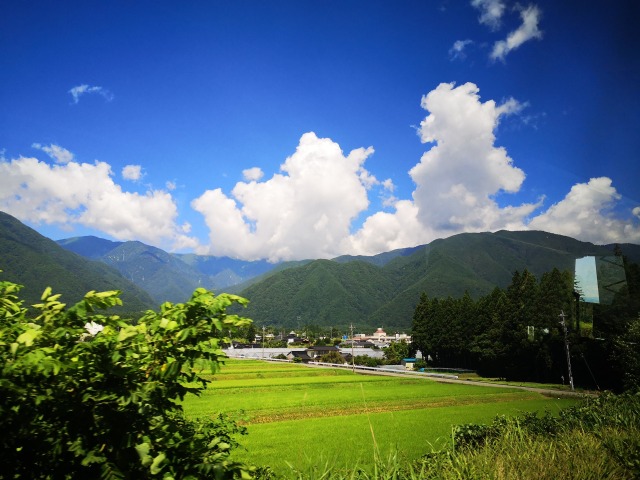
(32, 260)
(313, 295)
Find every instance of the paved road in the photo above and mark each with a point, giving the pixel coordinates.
(544, 391)
(551, 392)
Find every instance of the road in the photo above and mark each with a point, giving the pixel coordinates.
(550, 392)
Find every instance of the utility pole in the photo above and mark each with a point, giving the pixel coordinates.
(263, 341)
(353, 360)
(566, 346)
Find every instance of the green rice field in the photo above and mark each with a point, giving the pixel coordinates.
(298, 416)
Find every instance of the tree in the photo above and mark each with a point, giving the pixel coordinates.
(485, 345)
(419, 330)
(332, 357)
(395, 352)
(367, 361)
(251, 333)
(321, 342)
(627, 351)
(85, 395)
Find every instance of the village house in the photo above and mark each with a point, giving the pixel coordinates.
(317, 352)
(380, 338)
(314, 354)
(299, 354)
(408, 363)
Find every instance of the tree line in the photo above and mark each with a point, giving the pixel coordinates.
(516, 332)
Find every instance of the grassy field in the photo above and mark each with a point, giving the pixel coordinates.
(302, 416)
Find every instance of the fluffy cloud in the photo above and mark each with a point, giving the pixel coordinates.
(252, 174)
(132, 172)
(458, 177)
(303, 212)
(585, 213)
(383, 231)
(456, 180)
(59, 154)
(85, 194)
(527, 31)
(80, 90)
(491, 12)
(308, 209)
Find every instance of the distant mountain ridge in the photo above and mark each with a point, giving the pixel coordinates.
(166, 276)
(368, 291)
(36, 262)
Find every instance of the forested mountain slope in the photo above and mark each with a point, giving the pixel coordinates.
(367, 291)
(323, 293)
(36, 262)
(166, 276)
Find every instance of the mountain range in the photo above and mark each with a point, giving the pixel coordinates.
(36, 262)
(166, 276)
(367, 291)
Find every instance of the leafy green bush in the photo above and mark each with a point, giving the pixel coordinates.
(332, 357)
(367, 361)
(85, 395)
(614, 419)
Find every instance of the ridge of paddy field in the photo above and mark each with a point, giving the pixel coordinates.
(294, 413)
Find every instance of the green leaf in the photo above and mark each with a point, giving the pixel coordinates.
(29, 336)
(156, 465)
(46, 293)
(143, 452)
(127, 332)
(168, 324)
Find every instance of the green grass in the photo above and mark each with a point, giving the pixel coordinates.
(297, 415)
(360, 437)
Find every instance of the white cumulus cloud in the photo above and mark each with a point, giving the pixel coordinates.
(309, 208)
(132, 172)
(80, 90)
(252, 174)
(586, 213)
(456, 180)
(385, 231)
(85, 194)
(303, 212)
(458, 177)
(59, 154)
(527, 31)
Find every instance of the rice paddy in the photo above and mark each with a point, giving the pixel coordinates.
(300, 416)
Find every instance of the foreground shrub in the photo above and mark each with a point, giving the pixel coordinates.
(598, 438)
(85, 395)
(592, 414)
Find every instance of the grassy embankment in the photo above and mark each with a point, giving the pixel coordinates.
(305, 417)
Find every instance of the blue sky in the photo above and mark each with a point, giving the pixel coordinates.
(287, 130)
